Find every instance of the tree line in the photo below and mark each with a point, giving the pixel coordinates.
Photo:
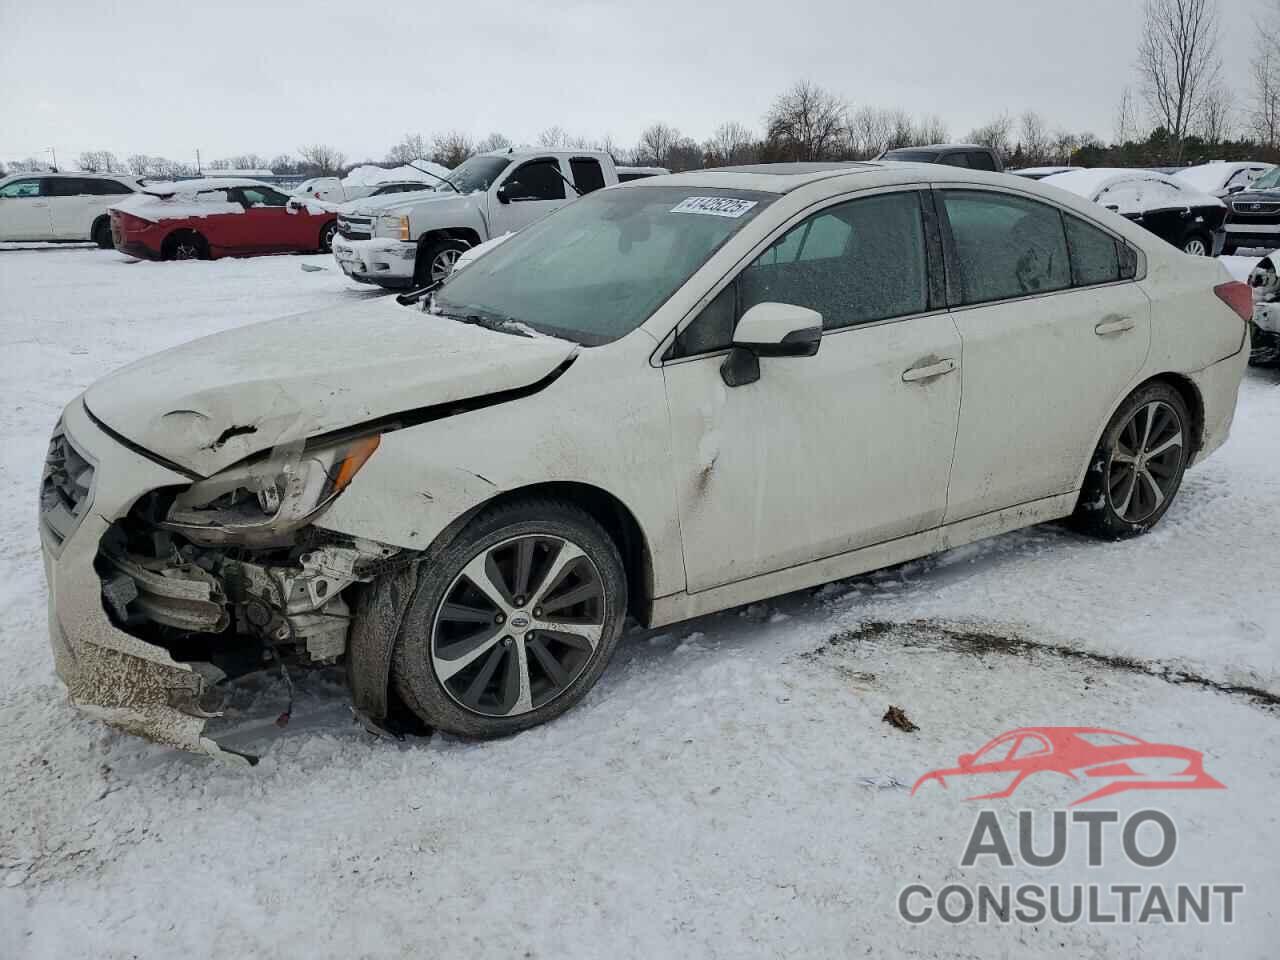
(1179, 110)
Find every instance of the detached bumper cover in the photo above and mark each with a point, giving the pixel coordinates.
(378, 260)
(111, 675)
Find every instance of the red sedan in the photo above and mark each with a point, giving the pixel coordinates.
(217, 217)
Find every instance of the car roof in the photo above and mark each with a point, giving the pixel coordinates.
(782, 178)
(940, 147)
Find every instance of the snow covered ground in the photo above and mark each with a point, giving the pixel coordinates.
(728, 790)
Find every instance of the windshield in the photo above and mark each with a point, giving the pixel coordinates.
(477, 173)
(597, 269)
(1268, 181)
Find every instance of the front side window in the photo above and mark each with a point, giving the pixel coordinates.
(21, 188)
(854, 263)
(1007, 246)
(261, 197)
(587, 175)
(536, 180)
(1095, 256)
(597, 268)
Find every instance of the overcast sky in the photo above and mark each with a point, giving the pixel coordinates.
(233, 77)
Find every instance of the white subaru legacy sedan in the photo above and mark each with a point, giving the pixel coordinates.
(668, 398)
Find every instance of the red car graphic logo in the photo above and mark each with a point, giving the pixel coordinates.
(1091, 753)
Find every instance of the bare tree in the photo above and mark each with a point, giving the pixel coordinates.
(1128, 128)
(1178, 62)
(902, 130)
(29, 165)
(1265, 72)
(412, 146)
(685, 154)
(1217, 115)
(450, 149)
(494, 141)
(324, 159)
(806, 123)
(730, 143)
(1033, 138)
(932, 129)
(869, 131)
(656, 143)
(553, 137)
(996, 134)
(1065, 144)
(100, 161)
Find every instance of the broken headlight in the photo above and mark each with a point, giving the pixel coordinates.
(264, 500)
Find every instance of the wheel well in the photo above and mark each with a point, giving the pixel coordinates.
(1195, 405)
(612, 514)
(467, 235)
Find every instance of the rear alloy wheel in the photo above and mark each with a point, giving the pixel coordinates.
(326, 236)
(102, 234)
(1138, 466)
(514, 622)
(1196, 245)
(186, 245)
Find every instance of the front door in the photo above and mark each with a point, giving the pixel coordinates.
(267, 223)
(531, 191)
(829, 453)
(24, 210)
(1054, 330)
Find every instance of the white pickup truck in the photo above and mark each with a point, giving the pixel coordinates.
(415, 239)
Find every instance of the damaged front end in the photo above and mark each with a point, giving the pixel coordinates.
(198, 582)
(1265, 328)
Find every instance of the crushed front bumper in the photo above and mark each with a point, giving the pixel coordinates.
(389, 263)
(133, 685)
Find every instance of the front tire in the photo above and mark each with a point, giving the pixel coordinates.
(1197, 245)
(1137, 468)
(513, 622)
(436, 259)
(327, 233)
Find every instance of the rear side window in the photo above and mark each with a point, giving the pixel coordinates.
(21, 188)
(956, 160)
(587, 175)
(105, 188)
(1006, 246)
(1095, 257)
(67, 187)
(980, 160)
(536, 180)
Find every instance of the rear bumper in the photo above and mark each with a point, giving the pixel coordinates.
(1219, 387)
(111, 675)
(389, 263)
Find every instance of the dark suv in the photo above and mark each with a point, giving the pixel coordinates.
(1253, 214)
(952, 154)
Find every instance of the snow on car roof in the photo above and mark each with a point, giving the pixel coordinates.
(1214, 176)
(371, 175)
(200, 185)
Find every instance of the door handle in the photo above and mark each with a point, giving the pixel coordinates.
(937, 369)
(1111, 325)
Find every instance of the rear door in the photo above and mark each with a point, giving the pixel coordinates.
(76, 202)
(1054, 330)
(24, 210)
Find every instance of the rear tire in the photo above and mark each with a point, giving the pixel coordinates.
(1137, 469)
(513, 622)
(436, 259)
(102, 234)
(185, 245)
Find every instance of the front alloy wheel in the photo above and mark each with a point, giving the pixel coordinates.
(1196, 246)
(512, 621)
(519, 624)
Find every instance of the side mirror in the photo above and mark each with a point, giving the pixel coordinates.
(770, 330)
(1236, 189)
(503, 195)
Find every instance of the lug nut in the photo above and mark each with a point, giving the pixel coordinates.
(537, 611)
(500, 618)
(506, 641)
(519, 601)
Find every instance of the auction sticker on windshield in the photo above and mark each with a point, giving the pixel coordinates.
(714, 206)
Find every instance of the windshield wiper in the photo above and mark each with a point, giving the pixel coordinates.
(488, 320)
(436, 175)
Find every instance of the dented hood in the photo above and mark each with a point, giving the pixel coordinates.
(209, 403)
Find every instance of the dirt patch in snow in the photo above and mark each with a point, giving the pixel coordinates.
(987, 640)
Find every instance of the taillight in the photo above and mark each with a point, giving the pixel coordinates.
(1238, 297)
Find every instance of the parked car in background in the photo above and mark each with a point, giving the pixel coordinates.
(381, 190)
(627, 174)
(970, 155)
(1039, 173)
(1223, 179)
(413, 240)
(1253, 219)
(1170, 208)
(61, 206)
(442, 499)
(1265, 281)
(216, 217)
(321, 188)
